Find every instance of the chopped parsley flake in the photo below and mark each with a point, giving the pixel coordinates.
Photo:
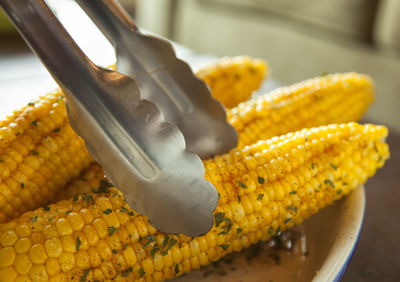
(141, 272)
(31, 104)
(260, 180)
(111, 230)
(238, 231)
(75, 198)
(219, 218)
(127, 272)
(149, 238)
(22, 185)
(328, 181)
(224, 246)
(260, 197)
(165, 241)
(339, 191)
(107, 211)
(164, 253)
(35, 122)
(103, 187)
(68, 212)
(238, 198)
(293, 192)
(18, 134)
(287, 220)
(85, 274)
(123, 209)
(333, 166)
(291, 208)
(78, 243)
(34, 153)
(89, 199)
(46, 208)
(154, 250)
(176, 268)
(313, 165)
(56, 129)
(172, 242)
(242, 185)
(114, 251)
(35, 218)
(375, 148)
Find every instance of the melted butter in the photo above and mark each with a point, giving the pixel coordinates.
(280, 259)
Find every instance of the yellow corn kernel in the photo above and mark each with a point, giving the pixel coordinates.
(233, 80)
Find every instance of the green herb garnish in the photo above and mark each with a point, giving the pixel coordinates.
(260, 197)
(127, 272)
(260, 180)
(224, 246)
(242, 185)
(111, 230)
(107, 211)
(328, 181)
(333, 166)
(85, 274)
(287, 220)
(219, 218)
(78, 243)
(176, 268)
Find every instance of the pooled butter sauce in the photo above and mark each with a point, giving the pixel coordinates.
(279, 259)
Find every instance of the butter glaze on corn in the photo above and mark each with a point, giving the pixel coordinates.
(264, 188)
(335, 98)
(233, 79)
(39, 154)
(89, 180)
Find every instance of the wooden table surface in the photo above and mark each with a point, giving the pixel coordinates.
(377, 256)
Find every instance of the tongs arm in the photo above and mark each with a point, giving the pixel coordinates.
(68, 65)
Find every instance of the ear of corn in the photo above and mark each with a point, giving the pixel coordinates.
(233, 79)
(90, 179)
(36, 145)
(333, 98)
(264, 188)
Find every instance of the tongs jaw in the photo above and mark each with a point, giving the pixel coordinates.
(165, 80)
(142, 154)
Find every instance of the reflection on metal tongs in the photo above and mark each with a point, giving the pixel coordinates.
(142, 154)
(183, 99)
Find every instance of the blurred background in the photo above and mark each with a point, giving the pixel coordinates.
(299, 39)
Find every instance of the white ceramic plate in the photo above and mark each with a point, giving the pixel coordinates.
(331, 236)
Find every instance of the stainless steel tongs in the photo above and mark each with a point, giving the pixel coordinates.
(142, 153)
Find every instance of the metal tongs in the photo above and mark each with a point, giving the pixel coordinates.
(131, 130)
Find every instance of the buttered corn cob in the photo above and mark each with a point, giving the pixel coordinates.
(264, 188)
(233, 79)
(89, 180)
(333, 98)
(36, 145)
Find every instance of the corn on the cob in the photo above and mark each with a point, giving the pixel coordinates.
(89, 180)
(36, 145)
(233, 79)
(264, 188)
(333, 98)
